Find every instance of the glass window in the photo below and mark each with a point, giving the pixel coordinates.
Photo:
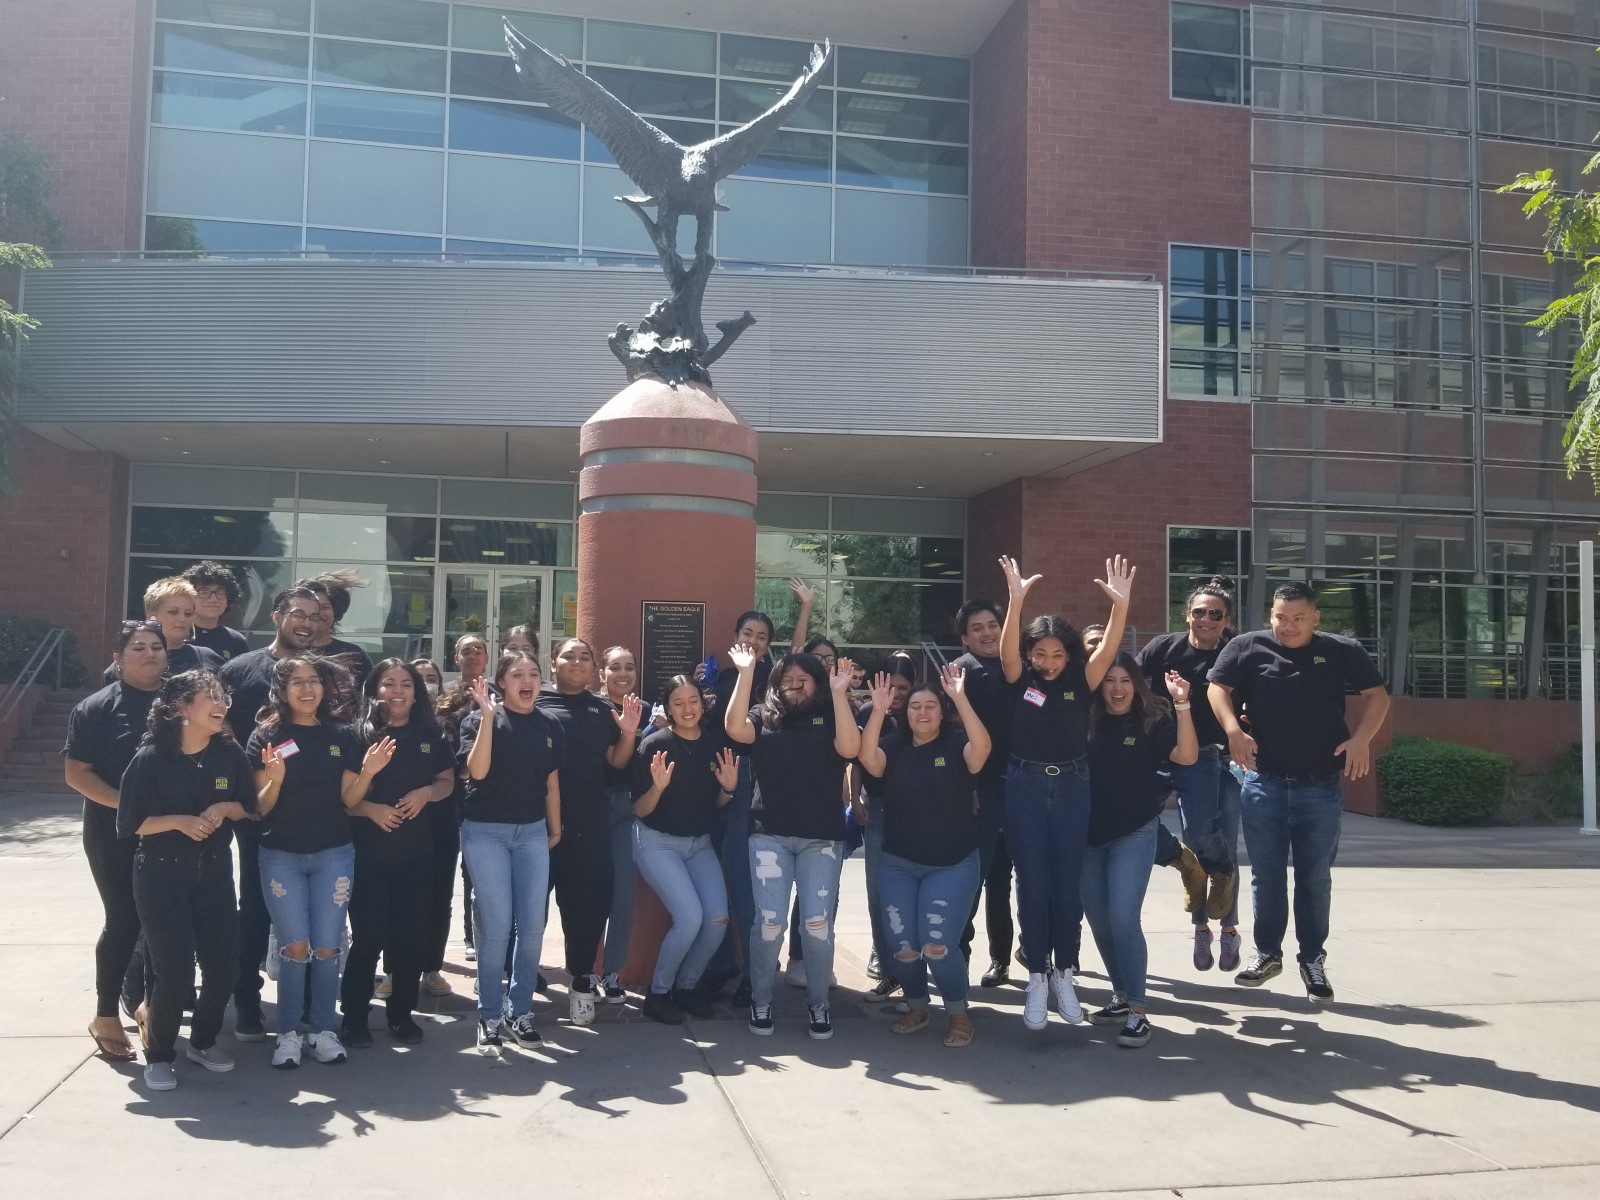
(892, 613)
(652, 46)
(611, 226)
(912, 74)
(774, 597)
(226, 175)
(906, 166)
(497, 498)
(259, 581)
(366, 537)
(685, 133)
(791, 510)
(356, 243)
(478, 248)
(514, 199)
(505, 543)
(866, 554)
(512, 129)
(218, 486)
(657, 94)
(209, 102)
(743, 102)
(899, 228)
(260, 14)
(391, 615)
(902, 117)
(1209, 321)
(187, 235)
(493, 76)
(232, 52)
(775, 222)
(369, 493)
(482, 29)
(364, 116)
(408, 68)
(786, 554)
(802, 157)
(883, 514)
(386, 20)
(1211, 53)
(766, 58)
(211, 533)
(376, 187)
(1194, 556)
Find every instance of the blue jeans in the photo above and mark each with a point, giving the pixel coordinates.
(307, 896)
(1208, 802)
(510, 866)
(732, 843)
(1047, 823)
(923, 911)
(810, 869)
(685, 874)
(1115, 877)
(620, 924)
(872, 845)
(1299, 817)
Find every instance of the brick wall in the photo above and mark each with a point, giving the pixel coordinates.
(1000, 143)
(76, 84)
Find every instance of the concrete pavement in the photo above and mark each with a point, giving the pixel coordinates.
(1461, 1060)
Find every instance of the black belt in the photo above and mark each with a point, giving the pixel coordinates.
(1043, 768)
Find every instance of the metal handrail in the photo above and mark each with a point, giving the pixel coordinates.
(933, 658)
(48, 648)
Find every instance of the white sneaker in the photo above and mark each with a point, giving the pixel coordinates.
(287, 1055)
(1064, 998)
(385, 987)
(795, 975)
(327, 1047)
(580, 1005)
(1036, 1006)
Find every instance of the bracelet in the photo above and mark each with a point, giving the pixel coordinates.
(1184, 707)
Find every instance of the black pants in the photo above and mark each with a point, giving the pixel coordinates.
(446, 849)
(388, 917)
(580, 873)
(994, 860)
(254, 924)
(186, 903)
(111, 864)
(1168, 848)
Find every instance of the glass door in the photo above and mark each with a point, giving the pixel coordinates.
(490, 603)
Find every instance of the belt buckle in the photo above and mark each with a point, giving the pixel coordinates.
(1052, 769)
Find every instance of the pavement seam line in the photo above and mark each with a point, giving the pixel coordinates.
(54, 1088)
(749, 1137)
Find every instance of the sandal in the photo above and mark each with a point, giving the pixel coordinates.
(141, 1018)
(116, 1048)
(911, 1022)
(960, 1031)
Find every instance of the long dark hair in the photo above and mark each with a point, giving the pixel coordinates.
(1051, 626)
(164, 728)
(773, 714)
(373, 727)
(1148, 707)
(337, 687)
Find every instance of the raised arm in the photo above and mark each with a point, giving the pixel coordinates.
(846, 737)
(269, 778)
(482, 752)
(355, 785)
(1011, 631)
(736, 720)
(872, 758)
(954, 681)
(627, 719)
(1188, 748)
(807, 595)
(1118, 585)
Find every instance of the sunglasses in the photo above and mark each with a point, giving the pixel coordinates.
(1207, 614)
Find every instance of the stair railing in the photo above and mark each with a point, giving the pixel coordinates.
(49, 649)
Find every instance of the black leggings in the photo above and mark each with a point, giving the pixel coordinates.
(388, 916)
(111, 864)
(580, 873)
(187, 906)
(446, 848)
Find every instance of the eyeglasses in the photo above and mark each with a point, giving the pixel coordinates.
(1208, 614)
(212, 593)
(223, 699)
(135, 626)
(305, 684)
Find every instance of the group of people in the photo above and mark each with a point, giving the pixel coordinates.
(353, 788)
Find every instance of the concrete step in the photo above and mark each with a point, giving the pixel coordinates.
(39, 743)
(45, 787)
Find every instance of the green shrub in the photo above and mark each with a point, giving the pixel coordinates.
(20, 637)
(1441, 783)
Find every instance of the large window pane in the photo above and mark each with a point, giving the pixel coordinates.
(338, 492)
(1207, 77)
(743, 102)
(376, 187)
(912, 74)
(505, 543)
(232, 51)
(1206, 27)
(514, 199)
(260, 14)
(406, 67)
(661, 95)
(364, 537)
(359, 244)
(900, 229)
(886, 514)
(766, 58)
(219, 486)
(186, 235)
(481, 29)
(259, 582)
(802, 157)
(685, 133)
(791, 553)
(395, 604)
(506, 498)
(386, 20)
(226, 175)
(884, 613)
(211, 533)
(608, 225)
(774, 597)
(652, 46)
(902, 117)
(207, 102)
(364, 116)
(775, 222)
(512, 129)
(906, 166)
(493, 76)
(865, 554)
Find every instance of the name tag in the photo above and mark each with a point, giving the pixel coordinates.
(1034, 697)
(286, 749)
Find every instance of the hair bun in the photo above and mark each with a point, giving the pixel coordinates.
(1220, 581)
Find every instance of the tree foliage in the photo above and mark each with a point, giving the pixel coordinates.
(27, 222)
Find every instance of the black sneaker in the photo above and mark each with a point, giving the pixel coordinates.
(1115, 1013)
(541, 984)
(691, 1002)
(998, 974)
(658, 1006)
(887, 986)
(612, 987)
(489, 1039)
(761, 1019)
(406, 1032)
(1259, 969)
(249, 1025)
(521, 1031)
(874, 967)
(1314, 975)
(821, 1028)
(353, 1032)
(1135, 1034)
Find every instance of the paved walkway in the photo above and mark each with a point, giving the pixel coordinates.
(1462, 1060)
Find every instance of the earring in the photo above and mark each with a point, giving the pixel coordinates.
(186, 720)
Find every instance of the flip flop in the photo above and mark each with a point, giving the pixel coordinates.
(913, 1021)
(116, 1051)
(960, 1031)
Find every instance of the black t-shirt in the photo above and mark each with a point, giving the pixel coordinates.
(688, 805)
(105, 728)
(526, 747)
(799, 777)
(1294, 699)
(159, 784)
(1173, 652)
(1125, 790)
(589, 730)
(871, 784)
(421, 751)
(349, 656)
(991, 700)
(249, 679)
(928, 813)
(190, 656)
(225, 643)
(728, 678)
(1050, 718)
(310, 814)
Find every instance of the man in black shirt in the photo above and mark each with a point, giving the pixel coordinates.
(333, 601)
(978, 624)
(216, 590)
(1292, 682)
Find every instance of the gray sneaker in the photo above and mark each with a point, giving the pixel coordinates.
(160, 1077)
(211, 1058)
(1228, 958)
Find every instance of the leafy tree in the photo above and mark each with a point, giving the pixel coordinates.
(27, 222)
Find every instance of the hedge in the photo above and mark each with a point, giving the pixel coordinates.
(20, 637)
(1440, 783)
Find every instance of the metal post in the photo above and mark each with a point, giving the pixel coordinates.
(1586, 669)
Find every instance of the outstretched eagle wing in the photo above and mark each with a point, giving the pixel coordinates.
(646, 155)
(726, 154)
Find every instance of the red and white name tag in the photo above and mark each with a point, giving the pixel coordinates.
(1034, 697)
(286, 749)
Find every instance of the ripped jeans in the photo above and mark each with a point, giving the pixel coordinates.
(809, 867)
(307, 896)
(924, 911)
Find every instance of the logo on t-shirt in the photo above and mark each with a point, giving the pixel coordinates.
(426, 748)
(1130, 741)
(819, 720)
(1069, 695)
(221, 783)
(549, 743)
(1317, 658)
(333, 752)
(939, 762)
